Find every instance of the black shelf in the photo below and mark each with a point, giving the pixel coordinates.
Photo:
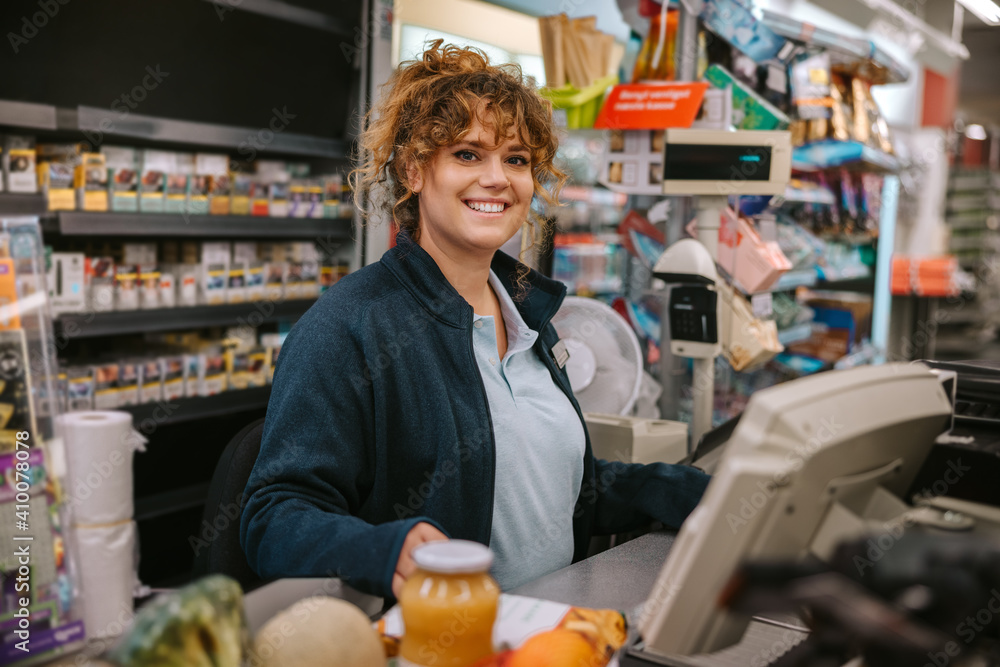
(199, 407)
(282, 11)
(95, 325)
(109, 223)
(161, 504)
(12, 203)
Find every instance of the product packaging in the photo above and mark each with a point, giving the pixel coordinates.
(129, 372)
(260, 198)
(79, 388)
(242, 184)
(179, 183)
(91, 183)
(274, 281)
(750, 110)
(19, 169)
(219, 197)
(271, 342)
(151, 390)
(126, 287)
(168, 291)
(187, 284)
(106, 386)
(331, 195)
(192, 375)
(123, 177)
(298, 202)
(279, 199)
(99, 274)
(153, 183)
(314, 193)
(733, 21)
(57, 165)
(212, 369)
(149, 290)
(66, 280)
(255, 280)
(173, 377)
(810, 84)
(236, 291)
(208, 167)
(308, 286)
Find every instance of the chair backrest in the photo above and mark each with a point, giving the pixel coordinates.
(217, 545)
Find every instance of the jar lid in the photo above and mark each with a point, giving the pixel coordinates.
(453, 556)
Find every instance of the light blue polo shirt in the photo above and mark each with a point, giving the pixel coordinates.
(539, 452)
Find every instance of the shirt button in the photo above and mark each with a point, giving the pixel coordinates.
(479, 324)
(493, 361)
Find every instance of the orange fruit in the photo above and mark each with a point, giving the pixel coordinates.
(556, 648)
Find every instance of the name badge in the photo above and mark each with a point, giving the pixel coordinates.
(560, 353)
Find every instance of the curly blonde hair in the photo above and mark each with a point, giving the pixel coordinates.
(431, 103)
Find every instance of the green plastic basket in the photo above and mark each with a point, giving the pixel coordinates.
(581, 105)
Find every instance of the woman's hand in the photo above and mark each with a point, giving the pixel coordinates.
(420, 533)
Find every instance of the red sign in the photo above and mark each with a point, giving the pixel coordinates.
(651, 106)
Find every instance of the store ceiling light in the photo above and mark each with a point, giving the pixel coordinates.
(977, 132)
(986, 10)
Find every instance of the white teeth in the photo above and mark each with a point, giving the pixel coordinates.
(485, 208)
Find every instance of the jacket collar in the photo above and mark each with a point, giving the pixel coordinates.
(420, 274)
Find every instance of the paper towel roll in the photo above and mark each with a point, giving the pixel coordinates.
(99, 447)
(106, 563)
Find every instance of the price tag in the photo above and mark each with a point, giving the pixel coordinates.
(762, 304)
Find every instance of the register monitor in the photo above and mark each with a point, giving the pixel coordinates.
(811, 463)
(723, 163)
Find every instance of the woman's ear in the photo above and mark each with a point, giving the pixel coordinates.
(415, 177)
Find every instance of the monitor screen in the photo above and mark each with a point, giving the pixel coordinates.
(695, 162)
(812, 462)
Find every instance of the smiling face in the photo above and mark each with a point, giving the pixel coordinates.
(473, 195)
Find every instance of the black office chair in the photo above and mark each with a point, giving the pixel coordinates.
(220, 527)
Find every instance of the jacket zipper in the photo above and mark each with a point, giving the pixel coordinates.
(493, 441)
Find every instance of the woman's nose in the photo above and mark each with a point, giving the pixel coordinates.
(493, 175)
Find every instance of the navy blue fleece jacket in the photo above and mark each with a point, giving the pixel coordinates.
(378, 419)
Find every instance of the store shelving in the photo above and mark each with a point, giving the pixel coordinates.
(114, 323)
(284, 11)
(12, 203)
(163, 130)
(92, 223)
(199, 407)
(831, 154)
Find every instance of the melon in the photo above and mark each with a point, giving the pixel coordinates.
(315, 632)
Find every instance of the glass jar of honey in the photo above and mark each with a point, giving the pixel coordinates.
(449, 605)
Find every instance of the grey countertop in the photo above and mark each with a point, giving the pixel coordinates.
(619, 578)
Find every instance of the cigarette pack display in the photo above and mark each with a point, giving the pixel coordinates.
(214, 282)
(331, 195)
(279, 199)
(309, 284)
(187, 282)
(19, 164)
(212, 367)
(242, 184)
(91, 183)
(293, 281)
(260, 198)
(173, 377)
(123, 177)
(750, 110)
(238, 367)
(56, 180)
(192, 375)
(79, 388)
(274, 280)
(271, 342)
(255, 280)
(298, 202)
(149, 290)
(153, 184)
(126, 287)
(106, 386)
(168, 291)
(219, 199)
(198, 189)
(128, 382)
(314, 192)
(207, 168)
(141, 254)
(151, 381)
(65, 281)
(179, 184)
(99, 274)
(236, 291)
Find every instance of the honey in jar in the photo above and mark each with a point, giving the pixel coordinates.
(449, 605)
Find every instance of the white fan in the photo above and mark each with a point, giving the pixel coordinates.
(605, 362)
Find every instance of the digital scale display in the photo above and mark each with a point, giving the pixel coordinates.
(699, 162)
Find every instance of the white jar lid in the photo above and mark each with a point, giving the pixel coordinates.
(453, 556)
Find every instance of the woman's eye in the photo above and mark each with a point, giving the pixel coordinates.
(519, 160)
(465, 155)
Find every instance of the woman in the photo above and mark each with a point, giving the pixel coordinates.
(424, 396)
